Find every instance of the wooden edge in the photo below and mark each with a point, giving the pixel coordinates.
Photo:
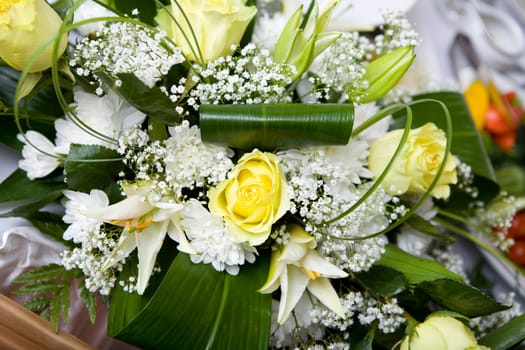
(22, 329)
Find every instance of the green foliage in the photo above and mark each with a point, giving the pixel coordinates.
(505, 337)
(151, 101)
(49, 290)
(17, 187)
(273, 126)
(89, 166)
(196, 307)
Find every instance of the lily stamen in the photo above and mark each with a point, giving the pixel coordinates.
(141, 225)
(312, 274)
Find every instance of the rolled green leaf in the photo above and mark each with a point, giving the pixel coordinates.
(384, 72)
(276, 126)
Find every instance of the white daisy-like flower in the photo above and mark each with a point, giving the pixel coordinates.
(35, 162)
(364, 112)
(190, 162)
(209, 235)
(76, 205)
(88, 10)
(108, 115)
(268, 28)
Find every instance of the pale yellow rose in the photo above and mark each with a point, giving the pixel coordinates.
(417, 165)
(253, 198)
(24, 26)
(217, 25)
(441, 332)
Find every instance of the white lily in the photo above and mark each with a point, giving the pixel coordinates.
(296, 267)
(146, 224)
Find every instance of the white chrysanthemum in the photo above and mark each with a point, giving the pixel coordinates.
(209, 235)
(88, 10)
(76, 205)
(108, 116)
(35, 163)
(191, 163)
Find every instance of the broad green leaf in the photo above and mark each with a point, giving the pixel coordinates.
(416, 270)
(366, 343)
(505, 337)
(460, 297)
(384, 72)
(196, 307)
(9, 130)
(466, 141)
(17, 187)
(383, 280)
(151, 101)
(273, 126)
(89, 166)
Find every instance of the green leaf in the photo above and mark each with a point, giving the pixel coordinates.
(460, 297)
(17, 187)
(37, 304)
(384, 72)
(45, 272)
(151, 101)
(416, 270)
(90, 301)
(467, 143)
(273, 126)
(383, 280)
(196, 307)
(367, 341)
(90, 166)
(50, 224)
(506, 336)
(38, 287)
(425, 226)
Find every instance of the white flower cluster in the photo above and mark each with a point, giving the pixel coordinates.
(248, 78)
(181, 162)
(339, 72)
(122, 47)
(96, 243)
(397, 32)
(363, 308)
(325, 182)
(212, 239)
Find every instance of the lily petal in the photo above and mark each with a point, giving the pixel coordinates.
(293, 285)
(315, 262)
(273, 281)
(323, 290)
(149, 243)
(176, 233)
(131, 207)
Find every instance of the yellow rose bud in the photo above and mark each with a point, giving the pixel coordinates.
(441, 332)
(217, 25)
(253, 198)
(417, 165)
(24, 26)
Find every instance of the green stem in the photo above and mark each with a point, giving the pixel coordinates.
(477, 241)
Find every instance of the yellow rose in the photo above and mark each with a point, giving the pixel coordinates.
(217, 25)
(253, 198)
(24, 26)
(417, 165)
(441, 332)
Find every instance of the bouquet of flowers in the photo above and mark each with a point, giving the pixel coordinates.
(232, 174)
